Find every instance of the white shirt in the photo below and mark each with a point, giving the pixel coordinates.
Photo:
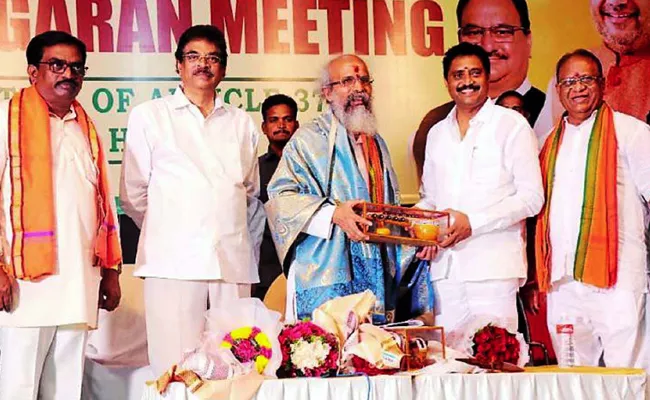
(70, 295)
(492, 175)
(633, 191)
(186, 181)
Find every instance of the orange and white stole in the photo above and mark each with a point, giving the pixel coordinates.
(33, 248)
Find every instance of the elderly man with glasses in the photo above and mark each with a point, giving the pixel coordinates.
(190, 181)
(330, 165)
(590, 237)
(61, 254)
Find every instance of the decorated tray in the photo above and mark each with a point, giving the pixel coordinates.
(403, 225)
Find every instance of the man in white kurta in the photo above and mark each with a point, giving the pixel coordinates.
(481, 164)
(43, 337)
(190, 181)
(608, 321)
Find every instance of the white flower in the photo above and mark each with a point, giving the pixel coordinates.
(305, 355)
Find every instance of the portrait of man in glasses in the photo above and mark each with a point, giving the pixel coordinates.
(190, 181)
(624, 26)
(331, 164)
(503, 29)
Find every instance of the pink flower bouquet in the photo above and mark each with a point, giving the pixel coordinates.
(307, 350)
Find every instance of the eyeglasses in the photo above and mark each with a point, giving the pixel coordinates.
(587, 80)
(349, 81)
(59, 66)
(500, 33)
(211, 59)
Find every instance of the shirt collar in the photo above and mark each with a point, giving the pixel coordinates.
(270, 155)
(179, 100)
(483, 115)
(69, 116)
(524, 87)
(589, 120)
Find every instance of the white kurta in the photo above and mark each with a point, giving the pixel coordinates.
(492, 175)
(70, 295)
(191, 183)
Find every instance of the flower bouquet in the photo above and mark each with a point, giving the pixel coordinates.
(247, 329)
(490, 344)
(307, 350)
(249, 344)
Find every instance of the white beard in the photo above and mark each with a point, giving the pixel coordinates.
(358, 120)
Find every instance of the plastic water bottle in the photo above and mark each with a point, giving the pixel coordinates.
(566, 352)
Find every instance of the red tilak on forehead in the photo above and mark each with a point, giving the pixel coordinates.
(356, 69)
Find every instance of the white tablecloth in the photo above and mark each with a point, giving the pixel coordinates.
(355, 388)
(537, 386)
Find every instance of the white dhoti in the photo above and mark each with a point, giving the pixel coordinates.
(456, 302)
(175, 315)
(45, 363)
(607, 322)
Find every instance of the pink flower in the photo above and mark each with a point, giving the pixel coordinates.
(245, 350)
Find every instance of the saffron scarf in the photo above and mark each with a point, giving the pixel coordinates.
(596, 259)
(33, 248)
(375, 171)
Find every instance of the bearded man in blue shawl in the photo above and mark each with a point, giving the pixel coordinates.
(330, 165)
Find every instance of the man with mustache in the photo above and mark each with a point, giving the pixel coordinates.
(502, 28)
(624, 26)
(330, 165)
(590, 238)
(190, 181)
(481, 166)
(279, 116)
(61, 256)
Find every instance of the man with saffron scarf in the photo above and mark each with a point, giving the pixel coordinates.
(590, 248)
(61, 255)
(330, 165)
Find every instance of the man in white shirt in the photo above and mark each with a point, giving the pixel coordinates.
(190, 181)
(590, 242)
(58, 226)
(481, 166)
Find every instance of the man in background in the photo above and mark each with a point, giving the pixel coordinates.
(279, 122)
(624, 26)
(502, 28)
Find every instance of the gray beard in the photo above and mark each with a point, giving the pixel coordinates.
(358, 120)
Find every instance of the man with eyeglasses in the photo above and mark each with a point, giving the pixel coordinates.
(502, 28)
(190, 181)
(624, 26)
(330, 165)
(61, 255)
(590, 242)
(481, 166)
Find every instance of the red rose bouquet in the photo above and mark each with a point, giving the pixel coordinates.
(494, 345)
(486, 339)
(307, 350)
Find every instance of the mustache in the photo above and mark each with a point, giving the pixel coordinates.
(358, 96)
(72, 82)
(471, 86)
(498, 55)
(203, 70)
(278, 132)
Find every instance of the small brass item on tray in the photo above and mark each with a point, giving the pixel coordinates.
(403, 225)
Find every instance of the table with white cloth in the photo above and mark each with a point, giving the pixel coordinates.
(539, 383)
(342, 388)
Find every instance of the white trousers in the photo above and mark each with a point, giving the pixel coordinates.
(42, 363)
(175, 315)
(607, 322)
(457, 302)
